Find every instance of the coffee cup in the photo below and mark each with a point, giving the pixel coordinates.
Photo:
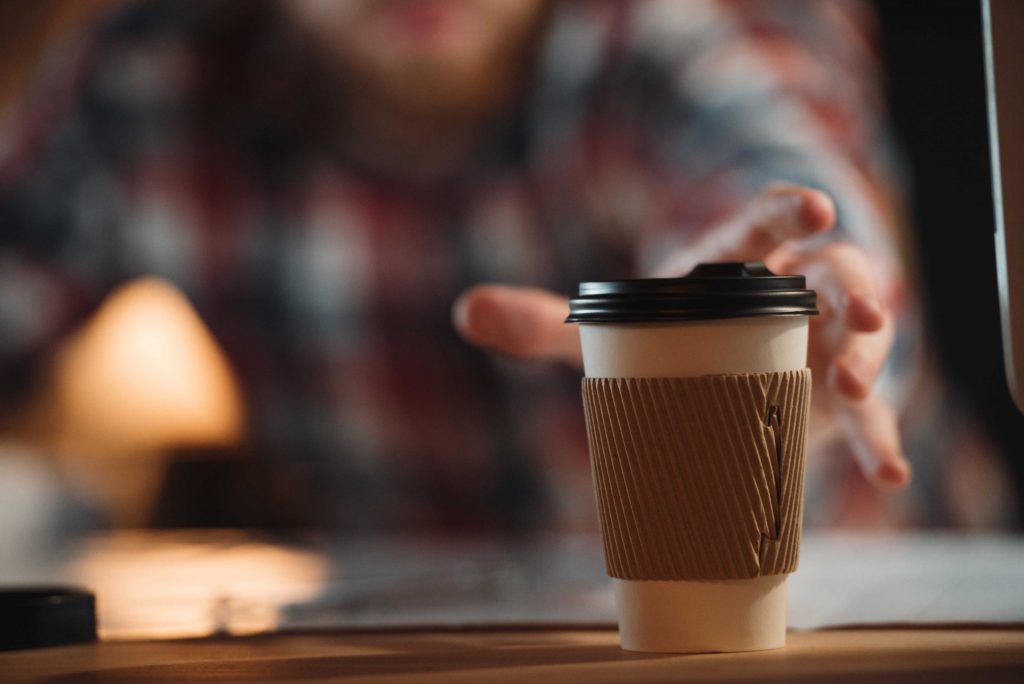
(696, 394)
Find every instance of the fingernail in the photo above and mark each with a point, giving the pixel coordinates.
(854, 375)
(460, 313)
(869, 309)
(818, 210)
(893, 473)
(478, 319)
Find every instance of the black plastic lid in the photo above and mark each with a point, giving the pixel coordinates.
(709, 291)
(33, 617)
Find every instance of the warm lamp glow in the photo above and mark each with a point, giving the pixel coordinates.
(144, 374)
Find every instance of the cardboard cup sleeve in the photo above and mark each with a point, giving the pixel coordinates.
(699, 478)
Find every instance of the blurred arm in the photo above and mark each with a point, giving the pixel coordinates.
(734, 112)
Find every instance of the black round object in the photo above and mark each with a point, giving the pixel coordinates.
(709, 291)
(33, 617)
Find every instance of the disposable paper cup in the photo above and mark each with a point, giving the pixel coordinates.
(721, 320)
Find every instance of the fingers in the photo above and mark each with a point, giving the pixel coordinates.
(781, 213)
(861, 328)
(850, 288)
(864, 311)
(871, 430)
(856, 332)
(859, 361)
(518, 321)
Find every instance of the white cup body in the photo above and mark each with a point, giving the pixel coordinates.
(698, 616)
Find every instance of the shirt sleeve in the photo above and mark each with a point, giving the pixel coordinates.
(765, 91)
(703, 104)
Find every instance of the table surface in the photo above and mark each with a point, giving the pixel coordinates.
(877, 654)
(931, 607)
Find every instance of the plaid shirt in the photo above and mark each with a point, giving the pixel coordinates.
(330, 286)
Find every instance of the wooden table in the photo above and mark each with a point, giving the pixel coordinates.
(884, 654)
(405, 610)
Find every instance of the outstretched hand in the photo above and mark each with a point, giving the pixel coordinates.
(848, 343)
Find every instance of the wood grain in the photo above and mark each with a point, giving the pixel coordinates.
(897, 654)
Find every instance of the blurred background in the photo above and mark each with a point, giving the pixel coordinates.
(175, 357)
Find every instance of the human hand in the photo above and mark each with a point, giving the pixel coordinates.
(848, 342)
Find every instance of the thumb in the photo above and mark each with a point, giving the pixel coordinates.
(518, 321)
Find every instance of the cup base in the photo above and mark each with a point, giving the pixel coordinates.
(724, 616)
